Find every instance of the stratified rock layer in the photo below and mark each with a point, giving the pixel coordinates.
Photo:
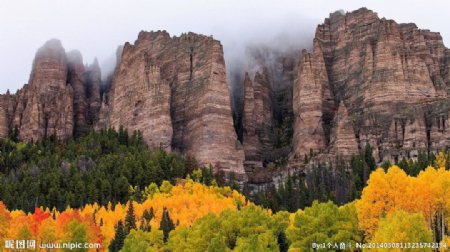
(263, 115)
(174, 90)
(140, 97)
(343, 141)
(257, 117)
(250, 138)
(62, 98)
(93, 82)
(310, 96)
(49, 100)
(75, 77)
(393, 77)
(4, 129)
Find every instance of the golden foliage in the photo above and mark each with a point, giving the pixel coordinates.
(387, 192)
(186, 202)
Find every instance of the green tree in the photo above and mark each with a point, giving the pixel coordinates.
(166, 224)
(130, 218)
(218, 245)
(323, 223)
(403, 227)
(147, 216)
(77, 233)
(105, 166)
(117, 242)
(139, 240)
(249, 229)
(165, 187)
(150, 190)
(263, 242)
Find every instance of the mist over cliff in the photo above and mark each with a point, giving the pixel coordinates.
(247, 46)
(235, 23)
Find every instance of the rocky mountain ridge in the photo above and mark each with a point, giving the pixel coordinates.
(365, 81)
(390, 79)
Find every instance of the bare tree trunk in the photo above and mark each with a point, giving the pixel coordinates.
(443, 225)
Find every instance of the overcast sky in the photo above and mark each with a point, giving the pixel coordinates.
(97, 27)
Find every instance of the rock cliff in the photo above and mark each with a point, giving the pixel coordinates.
(4, 127)
(49, 100)
(366, 81)
(93, 83)
(392, 77)
(62, 97)
(263, 112)
(343, 140)
(311, 90)
(174, 90)
(258, 116)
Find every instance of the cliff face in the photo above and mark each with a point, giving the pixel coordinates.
(250, 138)
(75, 77)
(343, 140)
(310, 92)
(3, 117)
(140, 96)
(59, 99)
(366, 81)
(257, 118)
(93, 82)
(392, 77)
(174, 90)
(263, 116)
(86, 82)
(49, 100)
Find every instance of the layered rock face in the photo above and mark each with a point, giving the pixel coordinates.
(174, 90)
(75, 76)
(264, 114)
(249, 118)
(58, 100)
(86, 82)
(393, 78)
(343, 140)
(311, 102)
(49, 100)
(366, 81)
(257, 117)
(140, 96)
(4, 129)
(93, 82)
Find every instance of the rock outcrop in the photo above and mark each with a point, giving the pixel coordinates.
(311, 96)
(75, 77)
(140, 96)
(93, 82)
(4, 127)
(174, 90)
(257, 121)
(367, 81)
(343, 141)
(250, 138)
(393, 78)
(86, 82)
(49, 100)
(62, 98)
(263, 116)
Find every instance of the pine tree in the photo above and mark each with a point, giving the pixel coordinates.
(166, 224)
(130, 218)
(119, 238)
(147, 216)
(283, 242)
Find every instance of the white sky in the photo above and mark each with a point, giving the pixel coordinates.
(97, 27)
